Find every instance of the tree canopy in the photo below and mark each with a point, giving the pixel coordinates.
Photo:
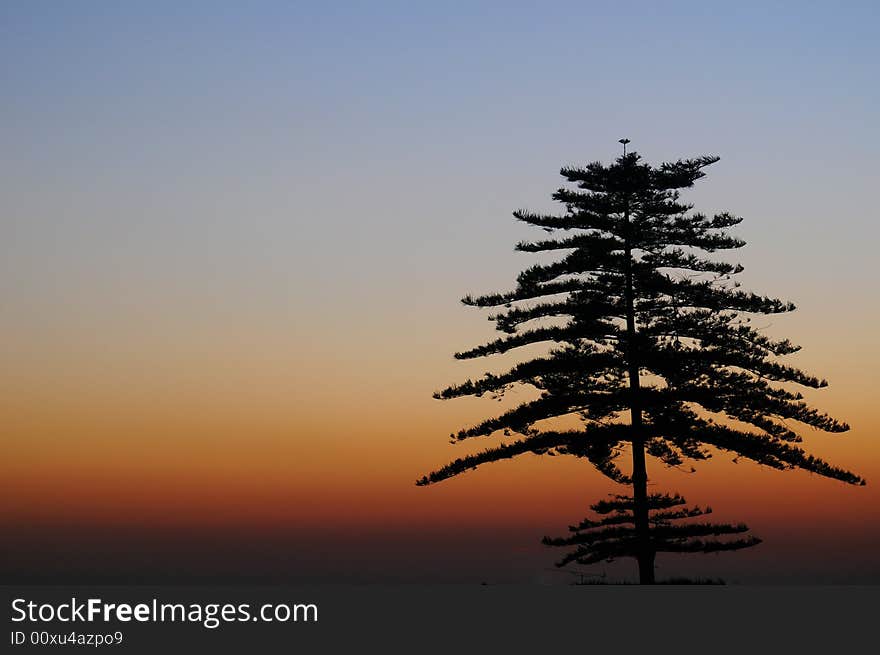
(698, 356)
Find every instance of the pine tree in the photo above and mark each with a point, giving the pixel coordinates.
(640, 322)
(613, 534)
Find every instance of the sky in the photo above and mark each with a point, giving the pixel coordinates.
(234, 240)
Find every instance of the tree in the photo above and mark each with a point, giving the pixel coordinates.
(640, 322)
(613, 534)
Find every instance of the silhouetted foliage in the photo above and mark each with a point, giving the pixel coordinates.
(672, 528)
(640, 321)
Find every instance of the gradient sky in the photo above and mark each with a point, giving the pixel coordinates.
(234, 239)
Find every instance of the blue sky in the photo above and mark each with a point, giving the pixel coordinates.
(224, 149)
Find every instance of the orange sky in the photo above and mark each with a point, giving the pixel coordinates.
(274, 434)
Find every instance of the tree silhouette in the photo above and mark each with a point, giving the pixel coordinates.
(613, 533)
(640, 322)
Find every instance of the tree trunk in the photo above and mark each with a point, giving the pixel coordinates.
(639, 472)
(640, 510)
